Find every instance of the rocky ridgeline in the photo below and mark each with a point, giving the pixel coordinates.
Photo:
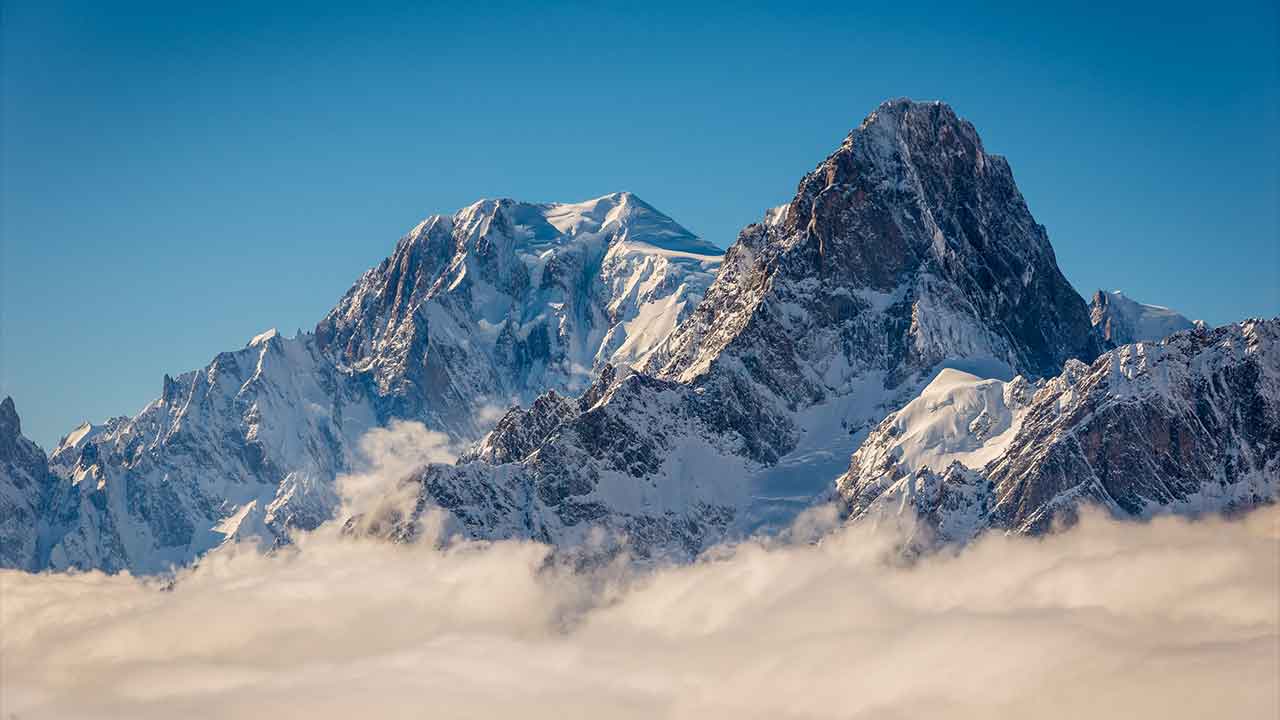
(1190, 424)
(904, 310)
(474, 311)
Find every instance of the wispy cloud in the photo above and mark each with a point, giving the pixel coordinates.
(379, 492)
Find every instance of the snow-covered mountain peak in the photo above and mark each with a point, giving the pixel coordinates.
(622, 216)
(264, 337)
(1121, 320)
(616, 217)
(547, 291)
(491, 305)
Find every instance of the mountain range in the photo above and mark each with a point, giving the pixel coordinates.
(470, 314)
(898, 339)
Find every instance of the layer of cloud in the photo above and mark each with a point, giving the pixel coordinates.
(1169, 619)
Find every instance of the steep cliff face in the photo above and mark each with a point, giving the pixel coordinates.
(1190, 424)
(907, 249)
(471, 313)
(25, 484)
(908, 245)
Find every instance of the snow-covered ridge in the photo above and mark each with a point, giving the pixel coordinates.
(472, 312)
(546, 293)
(1189, 424)
(958, 417)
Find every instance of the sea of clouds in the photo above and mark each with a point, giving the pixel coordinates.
(1169, 618)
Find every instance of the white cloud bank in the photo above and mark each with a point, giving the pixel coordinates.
(1169, 619)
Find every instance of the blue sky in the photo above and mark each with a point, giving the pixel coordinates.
(174, 180)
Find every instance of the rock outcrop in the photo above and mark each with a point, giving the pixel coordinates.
(1188, 425)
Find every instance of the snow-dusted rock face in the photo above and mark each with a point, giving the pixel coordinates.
(25, 484)
(490, 306)
(1121, 320)
(908, 248)
(228, 443)
(909, 245)
(1188, 425)
(506, 299)
(633, 455)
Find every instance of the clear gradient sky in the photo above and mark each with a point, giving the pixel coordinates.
(177, 179)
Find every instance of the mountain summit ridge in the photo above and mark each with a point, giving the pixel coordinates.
(471, 312)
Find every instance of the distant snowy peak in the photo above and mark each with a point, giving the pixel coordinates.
(472, 311)
(505, 299)
(1121, 320)
(616, 217)
(625, 217)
